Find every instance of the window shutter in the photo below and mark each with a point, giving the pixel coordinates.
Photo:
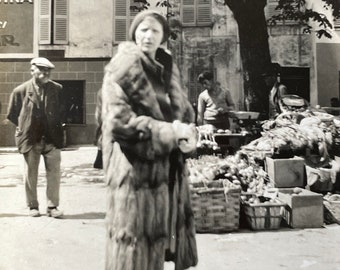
(120, 26)
(45, 22)
(204, 12)
(271, 11)
(188, 13)
(337, 23)
(60, 34)
(132, 11)
(270, 8)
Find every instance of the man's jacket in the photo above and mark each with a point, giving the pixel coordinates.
(22, 111)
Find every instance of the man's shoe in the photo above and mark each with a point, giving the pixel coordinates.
(54, 212)
(34, 212)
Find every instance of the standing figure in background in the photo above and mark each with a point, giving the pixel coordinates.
(278, 90)
(146, 137)
(35, 107)
(335, 103)
(98, 163)
(214, 103)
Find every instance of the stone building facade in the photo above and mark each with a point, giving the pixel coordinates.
(80, 37)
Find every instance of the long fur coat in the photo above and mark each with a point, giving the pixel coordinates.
(149, 216)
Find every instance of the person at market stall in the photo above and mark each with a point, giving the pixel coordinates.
(37, 110)
(214, 102)
(335, 103)
(278, 90)
(147, 133)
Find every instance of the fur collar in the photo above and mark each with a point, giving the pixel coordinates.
(127, 68)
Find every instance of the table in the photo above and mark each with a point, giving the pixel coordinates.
(230, 143)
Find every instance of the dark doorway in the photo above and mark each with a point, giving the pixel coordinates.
(73, 97)
(297, 81)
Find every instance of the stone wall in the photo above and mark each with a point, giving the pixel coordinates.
(13, 73)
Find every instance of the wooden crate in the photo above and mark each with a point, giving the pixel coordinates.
(264, 215)
(303, 210)
(216, 209)
(286, 172)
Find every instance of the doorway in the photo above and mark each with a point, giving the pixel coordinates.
(297, 81)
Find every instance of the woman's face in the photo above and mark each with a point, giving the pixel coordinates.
(149, 35)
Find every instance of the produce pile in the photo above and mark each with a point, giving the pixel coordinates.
(335, 130)
(206, 138)
(293, 133)
(238, 168)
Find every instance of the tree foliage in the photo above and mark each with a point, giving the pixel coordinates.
(298, 11)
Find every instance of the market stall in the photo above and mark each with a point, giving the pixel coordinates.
(246, 127)
(293, 163)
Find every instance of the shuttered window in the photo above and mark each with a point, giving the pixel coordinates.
(270, 10)
(124, 12)
(196, 12)
(45, 9)
(53, 22)
(60, 34)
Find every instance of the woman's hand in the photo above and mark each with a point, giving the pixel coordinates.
(186, 136)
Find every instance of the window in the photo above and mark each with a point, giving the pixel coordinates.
(270, 10)
(196, 12)
(73, 98)
(124, 12)
(337, 23)
(53, 22)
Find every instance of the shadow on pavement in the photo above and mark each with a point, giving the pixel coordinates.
(7, 215)
(91, 215)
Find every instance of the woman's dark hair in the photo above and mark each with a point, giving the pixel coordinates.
(206, 75)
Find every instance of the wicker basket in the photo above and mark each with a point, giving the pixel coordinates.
(333, 208)
(216, 209)
(264, 215)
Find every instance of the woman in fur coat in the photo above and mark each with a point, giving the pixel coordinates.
(146, 136)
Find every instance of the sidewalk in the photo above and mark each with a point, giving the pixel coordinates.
(77, 242)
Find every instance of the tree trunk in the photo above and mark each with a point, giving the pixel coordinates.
(254, 48)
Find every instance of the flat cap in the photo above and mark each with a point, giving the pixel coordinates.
(42, 62)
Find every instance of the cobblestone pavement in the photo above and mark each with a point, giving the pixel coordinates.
(77, 242)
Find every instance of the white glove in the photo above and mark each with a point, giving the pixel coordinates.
(186, 136)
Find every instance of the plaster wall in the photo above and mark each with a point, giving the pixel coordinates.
(290, 47)
(90, 29)
(213, 47)
(328, 70)
(13, 73)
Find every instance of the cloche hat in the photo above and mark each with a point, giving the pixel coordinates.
(149, 13)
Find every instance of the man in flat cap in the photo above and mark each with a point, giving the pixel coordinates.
(35, 108)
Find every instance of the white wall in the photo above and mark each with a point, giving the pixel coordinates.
(90, 28)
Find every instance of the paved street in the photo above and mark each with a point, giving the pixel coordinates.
(77, 242)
